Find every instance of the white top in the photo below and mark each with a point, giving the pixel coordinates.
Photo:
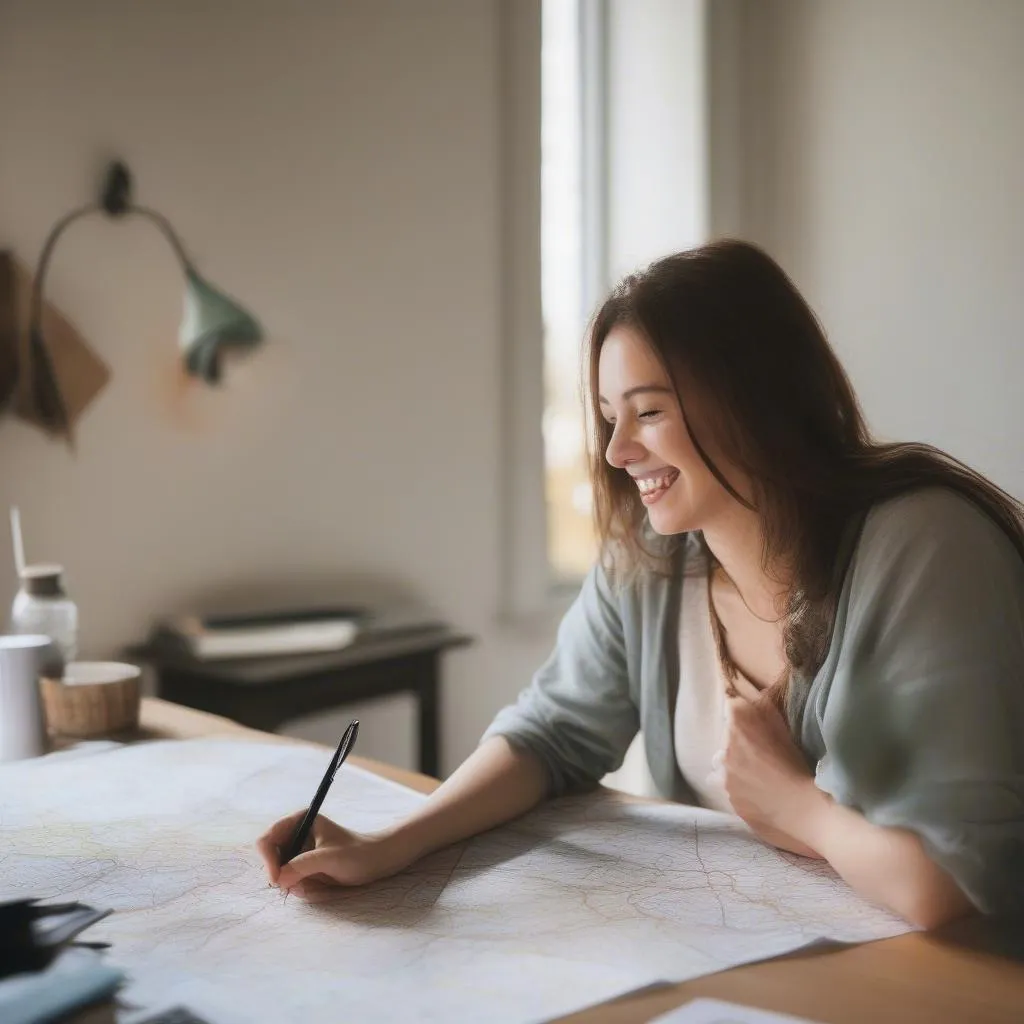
(700, 702)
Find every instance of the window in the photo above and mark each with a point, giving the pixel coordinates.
(572, 268)
(624, 149)
(606, 99)
(623, 181)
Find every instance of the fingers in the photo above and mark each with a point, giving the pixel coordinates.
(740, 713)
(269, 844)
(305, 866)
(282, 830)
(736, 710)
(739, 720)
(314, 889)
(736, 706)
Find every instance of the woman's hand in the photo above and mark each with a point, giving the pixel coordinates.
(766, 777)
(334, 856)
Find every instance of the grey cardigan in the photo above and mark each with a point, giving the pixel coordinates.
(916, 717)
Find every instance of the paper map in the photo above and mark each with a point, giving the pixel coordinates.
(582, 900)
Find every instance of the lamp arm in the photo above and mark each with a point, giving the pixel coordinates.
(168, 232)
(39, 279)
(36, 305)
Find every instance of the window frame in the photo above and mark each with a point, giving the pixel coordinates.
(531, 592)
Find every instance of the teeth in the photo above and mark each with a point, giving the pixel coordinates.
(650, 484)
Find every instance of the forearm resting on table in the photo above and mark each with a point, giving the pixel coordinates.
(495, 784)
(887, 865)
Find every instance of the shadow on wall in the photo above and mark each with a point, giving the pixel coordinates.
(264, 594)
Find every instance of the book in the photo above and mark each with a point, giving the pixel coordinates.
(76, 978)
(264, 634)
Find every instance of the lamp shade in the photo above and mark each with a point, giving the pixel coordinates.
(212, 322)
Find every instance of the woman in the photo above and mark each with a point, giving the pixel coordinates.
(818, 632)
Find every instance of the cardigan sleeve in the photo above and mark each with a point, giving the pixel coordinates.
(924, 723)
(577, 715)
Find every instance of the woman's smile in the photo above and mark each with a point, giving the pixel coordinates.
(653, 486)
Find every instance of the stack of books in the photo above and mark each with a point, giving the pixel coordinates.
(304, 631)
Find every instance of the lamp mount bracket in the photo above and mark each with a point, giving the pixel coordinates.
(116, 197)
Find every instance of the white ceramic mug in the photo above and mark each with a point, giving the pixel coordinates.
(23, 658)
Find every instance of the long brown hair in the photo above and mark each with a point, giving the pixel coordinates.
(727, 318)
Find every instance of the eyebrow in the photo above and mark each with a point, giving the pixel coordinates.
(640, 389)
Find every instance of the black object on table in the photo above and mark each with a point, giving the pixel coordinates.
(33, 933)
(266, 692)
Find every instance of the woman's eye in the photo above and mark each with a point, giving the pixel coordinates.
(649, 414)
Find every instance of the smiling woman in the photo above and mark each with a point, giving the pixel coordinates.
(649, 438)
(815, 631)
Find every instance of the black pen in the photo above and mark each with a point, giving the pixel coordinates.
(301, 834)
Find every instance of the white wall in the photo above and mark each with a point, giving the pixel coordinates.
(882, 143)
(657, 131)
(336, 167)
(875, 148)
(339, 168)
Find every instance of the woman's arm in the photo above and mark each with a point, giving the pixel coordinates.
(771, 788)
(493, 785)
(886, 865)
(568, 728)
(922, 721)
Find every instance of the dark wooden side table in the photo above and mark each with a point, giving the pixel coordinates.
(265, 693)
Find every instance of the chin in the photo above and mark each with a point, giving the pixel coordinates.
(669, 521)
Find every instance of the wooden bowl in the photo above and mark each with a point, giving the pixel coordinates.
(93, 698)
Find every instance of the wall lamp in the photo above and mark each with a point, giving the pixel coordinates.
(211, 321)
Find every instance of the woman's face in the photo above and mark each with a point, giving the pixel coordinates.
(649, 438)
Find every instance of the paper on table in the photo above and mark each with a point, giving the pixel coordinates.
(578, 902)
(715, 1011)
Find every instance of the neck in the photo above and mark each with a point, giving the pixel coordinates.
(737, 543)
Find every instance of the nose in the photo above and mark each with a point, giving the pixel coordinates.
(623, 448)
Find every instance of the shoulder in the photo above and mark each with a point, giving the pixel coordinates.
(928, 521)
(930, 534)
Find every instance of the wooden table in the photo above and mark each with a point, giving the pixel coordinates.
(972, 974)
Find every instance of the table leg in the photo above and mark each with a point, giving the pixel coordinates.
(430, 721)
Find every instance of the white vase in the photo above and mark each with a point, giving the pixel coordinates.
(22, 725)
